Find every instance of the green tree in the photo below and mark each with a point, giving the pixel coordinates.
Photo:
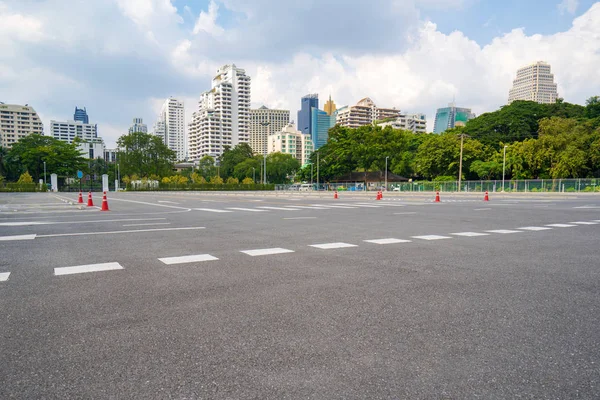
(144, 154)
(248, 168)
(280, 167)
(232, 157)
(206, 167)
(592, 109)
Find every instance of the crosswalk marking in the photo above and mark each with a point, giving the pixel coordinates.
(431, 237)
(246, 209)
(585, 223)
(337, 245)
(215, 210)
(4, 276)
(279, 208)
(387, 241)
(265, 252)
(503, 231)
(470, 234)
(17, 237)
(187, 259)
(534, 228)
(560, 225)
(80, 269)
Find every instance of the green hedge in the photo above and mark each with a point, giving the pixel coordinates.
(23, 187)
(204, 187)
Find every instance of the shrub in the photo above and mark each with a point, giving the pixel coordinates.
(246, 181)
(25, 178)
(216, 180)
(232, 181)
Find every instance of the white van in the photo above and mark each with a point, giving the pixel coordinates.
(305, 187)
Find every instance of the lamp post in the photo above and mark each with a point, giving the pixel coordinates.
(386, 187)
(462, 137)
(44, 172)
(503, 167)
(268, 126)
(318, 171)
(253, 174)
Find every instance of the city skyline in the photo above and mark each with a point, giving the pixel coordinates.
(476, 66)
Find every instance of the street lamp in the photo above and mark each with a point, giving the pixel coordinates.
(503, 167)
(318, 171)
(462, 137)
(44, 172)
(386, 187)
(268, 126)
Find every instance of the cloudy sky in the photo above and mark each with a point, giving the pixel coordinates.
(122, 58)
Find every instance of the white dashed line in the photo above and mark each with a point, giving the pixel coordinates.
(405, 213)
(215, 210)
(23, 223)
(301, 218)
(560, 225)
(337, 245)
(585, 223)
(310, 208)
(280, 208)
(17, 237)
(387, 241)
(504, 231)
(187, 259)
(534, 228)
(246, 209)
(431, 237)
(151, 224)
(331, 206)
(117, 232)
(80, 269)
(481, 209)
(4, 276)
(470, 234)
(266, 252)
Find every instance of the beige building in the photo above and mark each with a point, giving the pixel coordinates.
(291, 141)
(16, 122)
(264, 121)
(534, 82)
(330, 107)
(365, 112)
(416, 123)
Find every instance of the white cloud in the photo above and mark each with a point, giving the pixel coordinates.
(569, 6)
(18, 26)
(207, 21)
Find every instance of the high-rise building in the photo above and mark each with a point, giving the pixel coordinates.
(321, 123)
(80, 114)
(172, 118)
(416, 123)
(289, 140)
(90, 145)
(159, 128)
(223, 116)
(451, 117)
(16, 122)
(264, 121)
(138, 125)
(534, 82)
(308, 102)
(365, 112)
(330, 107)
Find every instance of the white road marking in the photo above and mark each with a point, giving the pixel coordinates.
(215, 210)
(23, 223)
(266, 252)
(470, 234)
(361, 205)
(301, 218)
(4, 276)
(150, 204)
(279, 208)
(77, 222)
(585, 223)
(587, 207)
(560, 225)
(534, 228)
(80, 269)
(17, 237)
(187, 259)
(387, 241)
(431, 237)
(151, 223)
(338, 245)
(311, 207)
(405, 213)
(331, 206)
(391, 205)
(504, 231)
(481, 209)
(166, 201)
(117, 232)
(245, 209)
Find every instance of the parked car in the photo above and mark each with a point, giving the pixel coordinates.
(306, 187)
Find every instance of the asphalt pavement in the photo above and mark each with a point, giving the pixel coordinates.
(188, 295)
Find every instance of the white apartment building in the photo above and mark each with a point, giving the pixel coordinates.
(16, 122)
(110, 155)
(138, 125)
(92, 149)
(264, 121)
(67, 131)
(365, 112)
(171, 127)
(416, 123)
(223, 116)
(291, 141)
(534, 82)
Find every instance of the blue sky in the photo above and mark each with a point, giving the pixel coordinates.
(122, 58)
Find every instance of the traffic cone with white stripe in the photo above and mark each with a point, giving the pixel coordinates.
(437, 197)
(80, 199)
(90, 201)
(104, 203)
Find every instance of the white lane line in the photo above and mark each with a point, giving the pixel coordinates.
(481, 209)
(301, 218)
(311, 207)
(266, 252)
(338, 245)
(332, 206)
(17, 237)
(187, 259)
(76, 222)
(560, 225)
(596, 220)
(245, 209)
(361, 205)
(279, 208)
(23, 223)
(534, 228)
(215, 210)
(584, 223)
(587, 207)
(151, 223)
(117, 232)
(150, 204)
(504, 231)
(387, 241)
(431, 237)
(470, 234)
(80, 269)
(166, 201)
(405, 213)
(4, 276)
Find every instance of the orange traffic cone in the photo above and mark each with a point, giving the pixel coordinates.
(378, 196)
(486, 197)
(437, 197)
(335, 195)
(104, 203)
(90, 202)
(80, 199)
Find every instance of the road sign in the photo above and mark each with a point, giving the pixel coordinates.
(79, 174)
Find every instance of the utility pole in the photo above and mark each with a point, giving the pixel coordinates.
(268, 126)
(462, 137)
(386, 187)
(503, 167)
(317, 170)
